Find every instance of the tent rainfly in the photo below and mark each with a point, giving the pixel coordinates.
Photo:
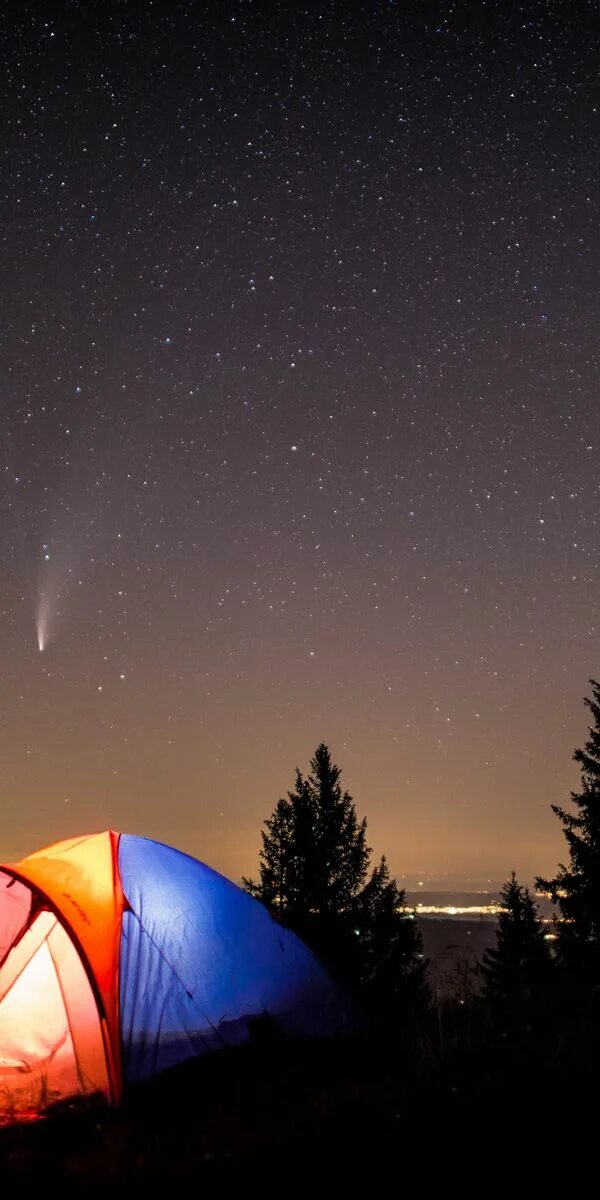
(120, 957)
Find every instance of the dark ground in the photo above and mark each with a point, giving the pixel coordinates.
(297, 1107)
(433, 1092)
(425, 1095)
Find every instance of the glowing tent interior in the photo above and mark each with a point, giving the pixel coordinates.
(120, 957)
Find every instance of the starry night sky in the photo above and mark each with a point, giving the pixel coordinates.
(300, 420)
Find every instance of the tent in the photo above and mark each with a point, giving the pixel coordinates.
(120, 957)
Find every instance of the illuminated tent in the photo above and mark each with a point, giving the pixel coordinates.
(120, 957)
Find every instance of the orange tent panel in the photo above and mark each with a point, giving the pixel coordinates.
(80, 879)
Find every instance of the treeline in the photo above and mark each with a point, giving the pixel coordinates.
(317, 877)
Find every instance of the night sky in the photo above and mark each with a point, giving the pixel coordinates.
(300, 420)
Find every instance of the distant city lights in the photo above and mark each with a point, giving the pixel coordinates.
(457, 910)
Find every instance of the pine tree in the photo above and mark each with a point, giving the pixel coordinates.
(314, 876)
(390, 945)
(314, 857)
(339, 851)
(520, 961)
(276, 859)
(575, 889)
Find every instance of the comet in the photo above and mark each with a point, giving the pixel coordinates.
(43, 620)
(53, 579)
(40, 626)
(57, 562)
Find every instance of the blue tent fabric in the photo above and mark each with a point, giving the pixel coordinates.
(200, 958)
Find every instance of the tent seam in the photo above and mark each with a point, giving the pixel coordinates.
(66, 1008)
(191, 995)
(3, 995)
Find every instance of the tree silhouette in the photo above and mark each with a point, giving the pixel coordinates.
(520, 961)
(314, 857)
(390, 944)
(575, 889)
(314, 876)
